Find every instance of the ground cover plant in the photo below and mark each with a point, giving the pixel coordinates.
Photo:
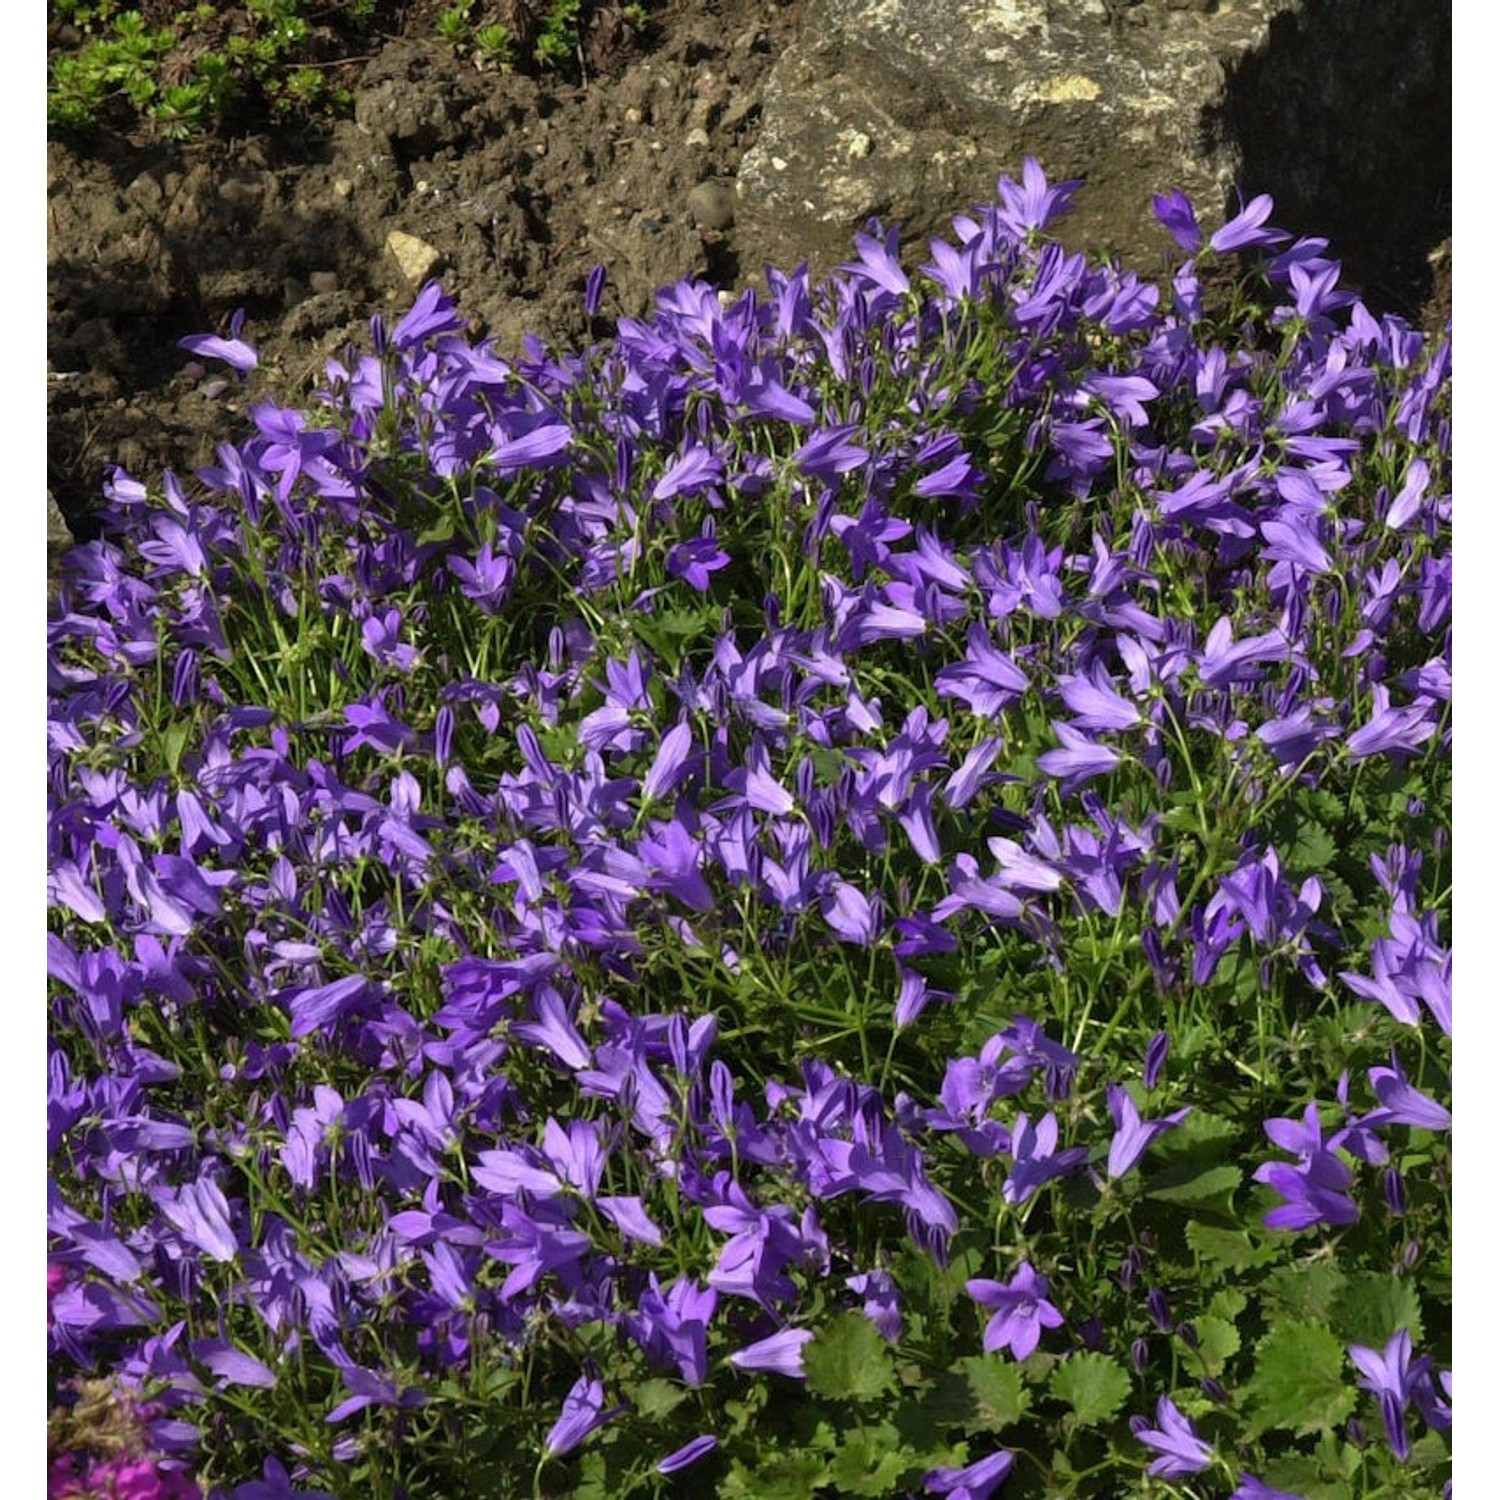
(846, 893)
(176, 70)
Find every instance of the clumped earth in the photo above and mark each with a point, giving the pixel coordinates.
(510, 188)
(517, 186)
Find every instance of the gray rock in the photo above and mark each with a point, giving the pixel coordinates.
(711, 204)
(909, 110)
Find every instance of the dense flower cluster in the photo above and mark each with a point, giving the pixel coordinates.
(512, 824)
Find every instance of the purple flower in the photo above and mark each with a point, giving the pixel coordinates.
(276, 1484)
(975, 1482)
(879, 262)
(1316, 1192)
(882, 1301)
(366, 1388)
(689, 1453)
(696, 560)
(1402, 1104)
(1021, 1311)
(782, 1352)
(1095, 703)
(1390, 1376)
(1079, 760)
(1244, 230)
(1036, 1157)
(582, 1412)
(1397, 732)
(535, 449)
(1156, 1057)
(1251, 1488)
(382, 639)
(1183, 1451)
(1132, 1134)
(672, 1327)
(1031, 203)
(233, 1366)
(233, 350)
(594, 289)
(1175, 211)
(201, 1212)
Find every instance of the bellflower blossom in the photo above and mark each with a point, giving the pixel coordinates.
(1183, 1451)
(1251, 1488)
(234, 351)
(976, 1481)
(781, 1353)
(1021, 1311)
(583, 1411)
(688, 1454)
(1132, 1134)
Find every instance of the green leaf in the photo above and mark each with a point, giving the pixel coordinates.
(1200, 1130)
(870, 1461)
(656, 1397)
(1370, 1307)
(1228, 1247)
(1094, 1385)
(783, 1476)
(1299, 1475)
(1187, 1182)
(980, 1393)
(996, 1391)
(848, 1360)
(1313, 849)
(1218, 1342)
(441, 530)
(1228, 1302)
(1299, 1383)
(1302, 1292)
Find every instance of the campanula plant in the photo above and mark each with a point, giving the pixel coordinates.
(846, 893)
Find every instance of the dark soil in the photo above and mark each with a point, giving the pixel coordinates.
(520, 185)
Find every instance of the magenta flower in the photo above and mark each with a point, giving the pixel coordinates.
(1021, 1311)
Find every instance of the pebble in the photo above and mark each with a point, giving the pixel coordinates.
(711, 204)
(697, 137)
(736, 111)
(416, 258)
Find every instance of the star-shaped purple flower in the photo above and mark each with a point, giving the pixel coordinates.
(1021, 1311)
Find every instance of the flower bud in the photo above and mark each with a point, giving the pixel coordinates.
(1159, 1308)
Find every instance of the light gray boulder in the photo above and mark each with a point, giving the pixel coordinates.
(908, 110)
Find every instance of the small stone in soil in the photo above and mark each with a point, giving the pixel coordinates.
(711, 204)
